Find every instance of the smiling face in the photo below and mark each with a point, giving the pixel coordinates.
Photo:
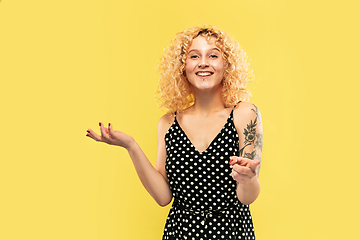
(204, 65)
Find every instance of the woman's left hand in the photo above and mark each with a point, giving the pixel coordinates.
(244, 169)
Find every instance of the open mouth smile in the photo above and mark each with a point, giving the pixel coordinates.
(204, 74)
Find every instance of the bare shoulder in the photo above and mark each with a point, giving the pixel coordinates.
(164, 124)
(246, 112)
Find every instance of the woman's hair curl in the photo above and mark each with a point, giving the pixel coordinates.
(174, 92)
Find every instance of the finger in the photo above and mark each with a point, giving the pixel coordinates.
(90, 133)
(233, 160)
(238, 160)
(254, 164)
(240, 178)
(243, 161)
(243, 171)
(104, 135)
(111, 131)
(240, 169)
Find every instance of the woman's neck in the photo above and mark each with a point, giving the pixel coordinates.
(207, 102)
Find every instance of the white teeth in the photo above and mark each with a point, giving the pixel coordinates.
(204, 74)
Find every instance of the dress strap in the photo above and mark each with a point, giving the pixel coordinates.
(236, 104)
(232, 111)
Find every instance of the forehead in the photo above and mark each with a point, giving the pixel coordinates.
(201, 42)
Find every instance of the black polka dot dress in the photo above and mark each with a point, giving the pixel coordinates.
(205, 203)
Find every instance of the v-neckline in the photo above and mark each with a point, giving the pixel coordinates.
(196, 149)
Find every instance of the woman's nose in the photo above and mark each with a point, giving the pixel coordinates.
(203, 63)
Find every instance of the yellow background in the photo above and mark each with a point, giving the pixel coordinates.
(66, 65)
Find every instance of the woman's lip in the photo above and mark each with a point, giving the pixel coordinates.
(204, 77)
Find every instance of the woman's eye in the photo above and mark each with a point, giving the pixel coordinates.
(213, 56)
(194, 56)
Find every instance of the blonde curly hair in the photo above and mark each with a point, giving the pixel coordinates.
(174, 92)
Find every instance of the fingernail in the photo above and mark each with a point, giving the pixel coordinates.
(88, 131)
(109, 125)
(100, 124)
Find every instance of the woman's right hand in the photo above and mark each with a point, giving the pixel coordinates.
(109, 136)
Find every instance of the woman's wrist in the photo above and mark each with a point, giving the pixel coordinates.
(131, 145)
(250, 184)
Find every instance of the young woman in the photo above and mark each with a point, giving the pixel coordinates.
(209, 142)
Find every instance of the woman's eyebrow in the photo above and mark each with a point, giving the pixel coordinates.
(208, 50)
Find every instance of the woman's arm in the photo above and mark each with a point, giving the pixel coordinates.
(246, 167)
(152, 179)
